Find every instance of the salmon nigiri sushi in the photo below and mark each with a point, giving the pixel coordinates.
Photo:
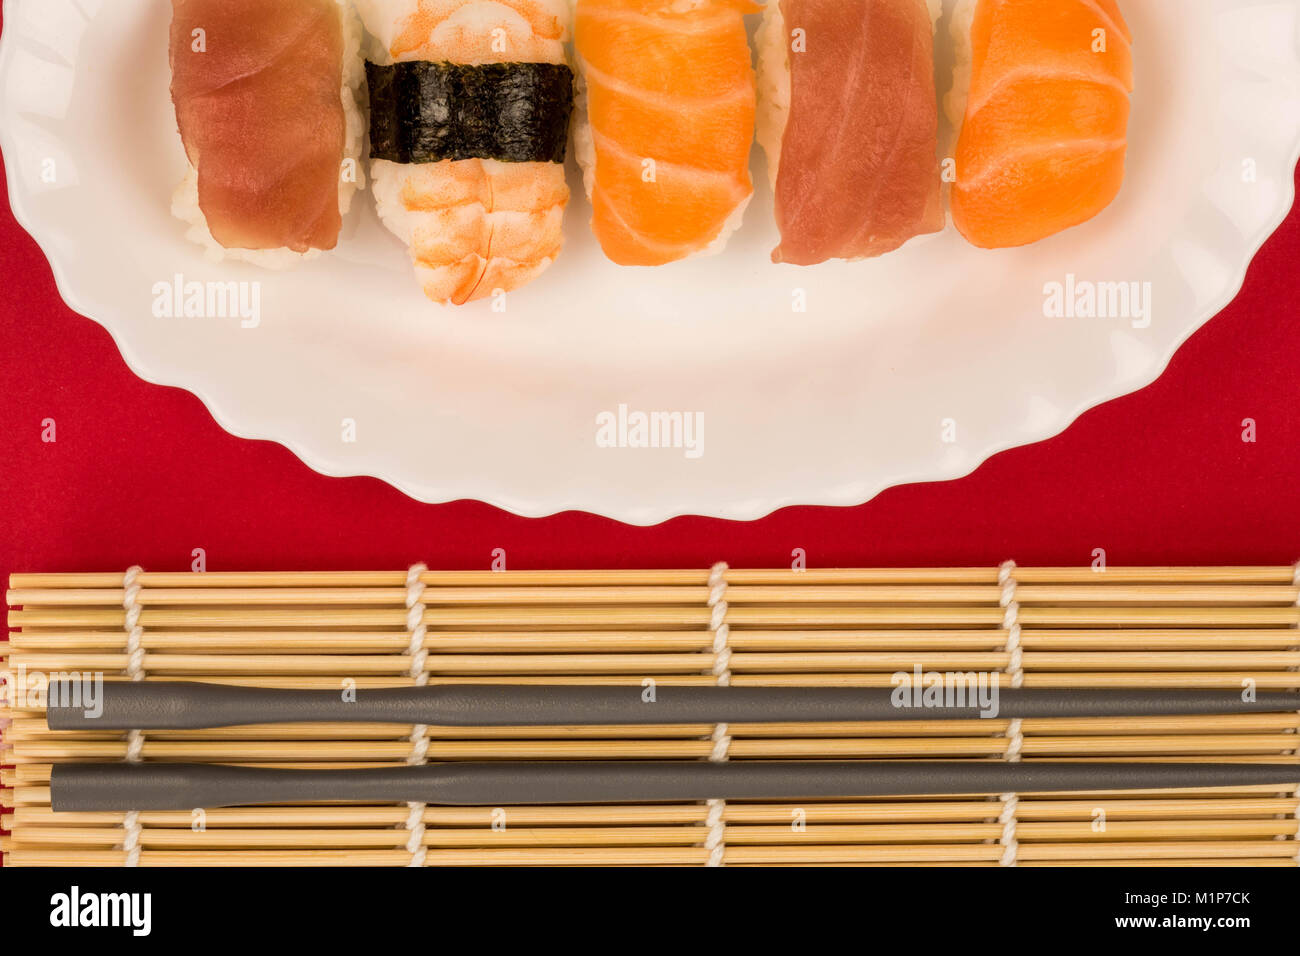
(670, 101)
(850, 123)
(1042, 99)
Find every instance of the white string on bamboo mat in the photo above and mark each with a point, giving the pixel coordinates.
(1016, 739)
(715, 842)
(135, 670)
(416, 629)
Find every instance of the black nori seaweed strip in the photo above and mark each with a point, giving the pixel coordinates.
(422, 112)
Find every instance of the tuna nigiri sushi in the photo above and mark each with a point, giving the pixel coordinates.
(1042, 97)
(265, 93)
(470, 105)
(849, 120)
(669, 95)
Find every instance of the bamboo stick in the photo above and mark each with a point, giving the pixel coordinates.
(1283, 574)
(649, 749)
(567, 618)
(606, 836)
(291, 859)
(1264, 680)
(901, 594)
(681, 641)
(627, 616)
(1165, 864)
(664, 856)
(614, 663)
(1042, 809)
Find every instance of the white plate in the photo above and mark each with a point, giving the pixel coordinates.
(828, 406)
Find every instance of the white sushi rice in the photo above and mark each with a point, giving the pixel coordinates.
(954, 104)
(732, 223)
(386, 181)
(773, 85)
(381, 19)
(773, 42)
(584, 143)
(185, 201)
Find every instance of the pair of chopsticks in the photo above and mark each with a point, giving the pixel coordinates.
(180, 705)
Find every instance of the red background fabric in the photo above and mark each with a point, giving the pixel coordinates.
(142, 474)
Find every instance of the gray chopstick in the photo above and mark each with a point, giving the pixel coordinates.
(180, 705)
(167, 786)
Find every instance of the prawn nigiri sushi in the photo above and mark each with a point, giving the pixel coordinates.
(266, 97)
(470, 105)
(849, 120)
(1042, 99)
(670, 99)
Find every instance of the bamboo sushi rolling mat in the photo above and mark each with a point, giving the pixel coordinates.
(1034, 627)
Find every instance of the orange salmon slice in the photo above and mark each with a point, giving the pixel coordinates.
(670, 100)
(1045, 134)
